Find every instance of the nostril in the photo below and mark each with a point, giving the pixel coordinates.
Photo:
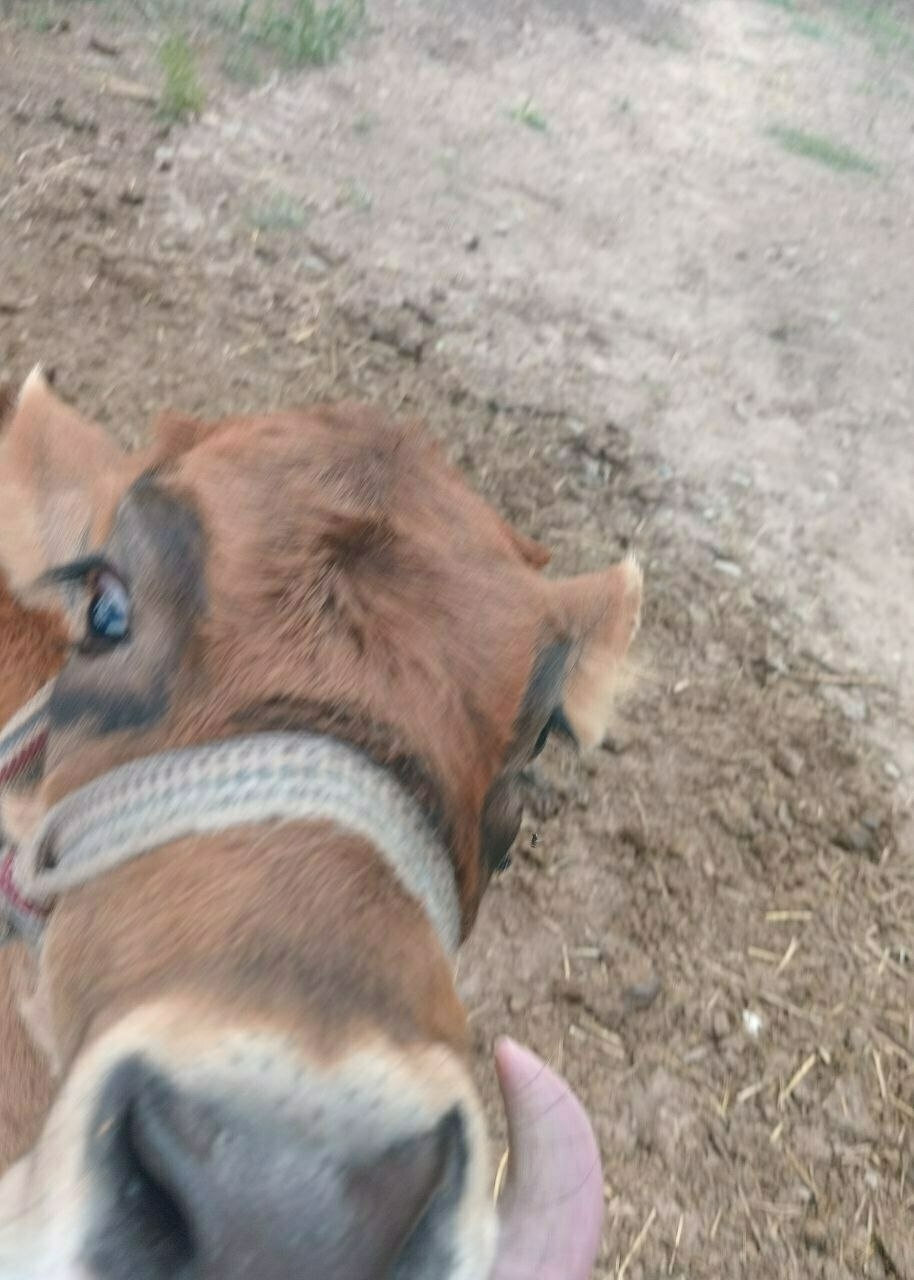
(188, 1186)
(406, 1201)
(147, 1228)
(149, 1186)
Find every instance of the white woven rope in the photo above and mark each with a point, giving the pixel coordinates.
(21, 730)
(204, 790)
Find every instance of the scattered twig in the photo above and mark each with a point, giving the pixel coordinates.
(500, 1174)
(796, 1079)
(902, 1107)
(636, 1245)
(675, 1248)
(788, 955)
(843, 682)
(129, 89)
(786, 1006)
(802, 1174)
(749, 1218)
(13, 306)
(105, 47)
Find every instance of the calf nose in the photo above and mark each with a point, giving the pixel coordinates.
(193, 1189)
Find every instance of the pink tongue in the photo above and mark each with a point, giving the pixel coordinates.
(551, 1210)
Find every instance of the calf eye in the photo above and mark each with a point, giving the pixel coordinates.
(108, 619)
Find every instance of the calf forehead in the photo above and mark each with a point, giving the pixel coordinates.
(266, 479)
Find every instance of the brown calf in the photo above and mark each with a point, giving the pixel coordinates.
(308, 665)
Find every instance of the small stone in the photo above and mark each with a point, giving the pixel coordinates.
(569, 991)
(164, 158)
(720, 1024)
(857, 1040)
(815, 1234)
(518, 1003)
(851, 705)
(789, 762)
(891, 770)
(106, 47)
(854, 839)
(728, 567)
(752, 1023)
(736, 817)
(641, 995)
(471, 243)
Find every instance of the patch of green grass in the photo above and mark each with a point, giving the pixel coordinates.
(183, 94)
(667, 38)
(878, 20)
(241, 64)
(354, 194)
(41, 17)
(304, 32)
(281, 212)
(529, 114)
(813, 146)
(364, 124)
(810, 29)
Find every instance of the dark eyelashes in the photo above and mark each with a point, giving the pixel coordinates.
(78, 571)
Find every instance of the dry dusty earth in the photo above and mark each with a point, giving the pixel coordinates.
(577, 238)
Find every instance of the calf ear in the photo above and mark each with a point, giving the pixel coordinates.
(59, 474)
(598, 615)
(530, 551)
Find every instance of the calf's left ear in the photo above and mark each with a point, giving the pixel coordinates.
(590, 623)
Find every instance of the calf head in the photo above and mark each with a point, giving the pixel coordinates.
(261, 1061)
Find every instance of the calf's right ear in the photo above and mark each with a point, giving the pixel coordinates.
(60, 477)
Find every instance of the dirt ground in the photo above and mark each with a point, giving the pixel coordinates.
(645, 267)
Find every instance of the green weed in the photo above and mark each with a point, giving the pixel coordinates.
(241, 64)
(182, 93)
(304, 32)
(527, 113)
(811, 30)
(356, 195)
(281, 212)
(364, 124)
(835, 155)
(879, 22)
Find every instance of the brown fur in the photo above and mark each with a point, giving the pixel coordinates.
(350, 583)
(32, 648)
(27, 1089)
(282, 913)
(33, 645)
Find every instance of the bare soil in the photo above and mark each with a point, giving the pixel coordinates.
(579, 241)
